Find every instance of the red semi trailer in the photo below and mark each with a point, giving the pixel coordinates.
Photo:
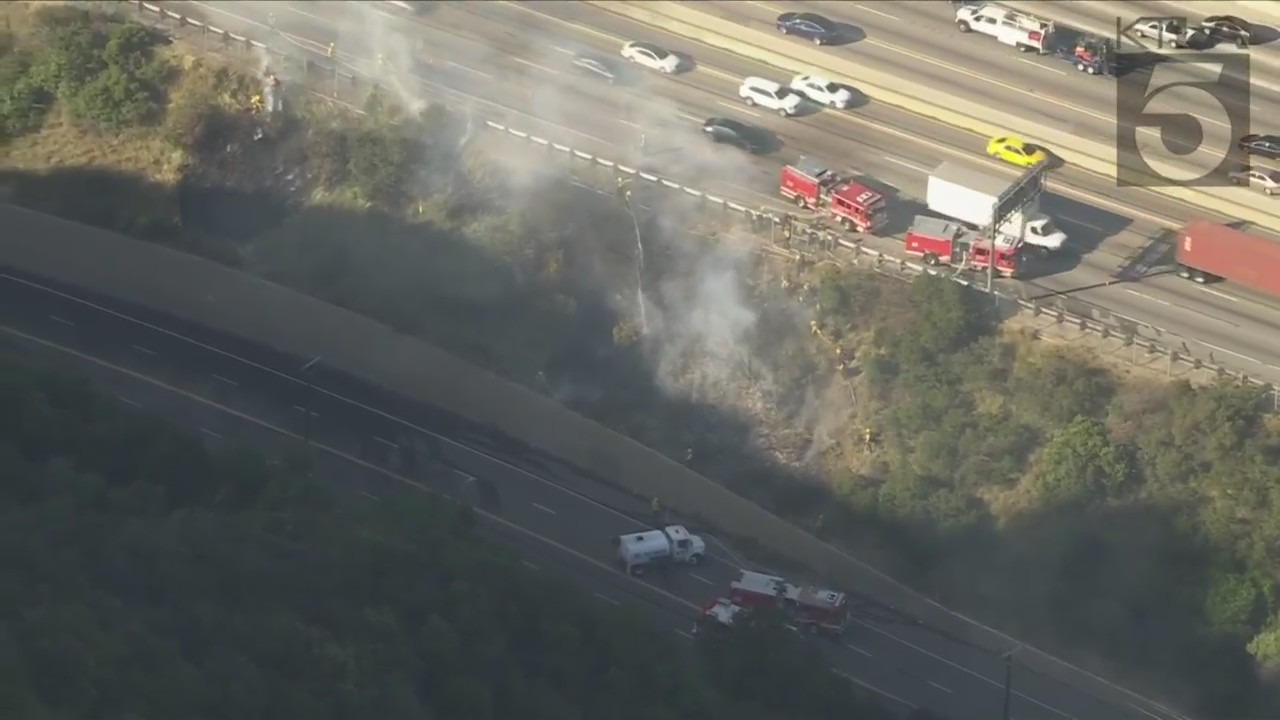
(1209, 251)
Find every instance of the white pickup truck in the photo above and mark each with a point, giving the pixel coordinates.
(1025, 32)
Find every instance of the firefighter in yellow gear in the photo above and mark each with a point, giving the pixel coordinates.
(328, 52)
(869, 437)
(255, 103)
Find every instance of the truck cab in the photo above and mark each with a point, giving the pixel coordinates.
(812, 186)
(1025, 32)
(940, 242)
(673, 543)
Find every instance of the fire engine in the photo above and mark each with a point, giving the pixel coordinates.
(813, 609)
(940, 242)
(811, 185)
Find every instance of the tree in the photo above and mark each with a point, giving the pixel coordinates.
(1081, 465)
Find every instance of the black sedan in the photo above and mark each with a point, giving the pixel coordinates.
(1228, 28)
(738, 134)
(1268, 146)
(809, 26)
(595, 67)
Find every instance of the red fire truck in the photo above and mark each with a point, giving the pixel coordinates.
(812, 186)
(813, 609)
(941, 242)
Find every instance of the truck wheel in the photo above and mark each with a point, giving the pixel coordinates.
(695, 559)
(963, 25)
(800, 202)
(930, 259)
(848, 224)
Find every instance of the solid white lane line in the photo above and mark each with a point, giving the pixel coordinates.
(1038, 66)
(962, 668)
(875, 689)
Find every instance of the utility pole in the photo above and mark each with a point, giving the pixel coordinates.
(1026, 190)
(1008, 680)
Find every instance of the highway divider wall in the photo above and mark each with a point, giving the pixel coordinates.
(222, 299)
(794, 57)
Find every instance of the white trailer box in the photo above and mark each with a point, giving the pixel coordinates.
(673, 543)
(969, 194)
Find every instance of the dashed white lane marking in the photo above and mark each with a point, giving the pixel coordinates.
(469, 69)
(699, 578)
(385, 441)
(876, 12)
(532, 64)
(739, 108)
(544, 508)
(943, 689)
(371, 496)
(857, 649)
(147, 351)
(210, 433)
(64, 321)
(904, 164)
(228, 381)
(127, 401)
(528, 564)
(684, 634)
(607, 599)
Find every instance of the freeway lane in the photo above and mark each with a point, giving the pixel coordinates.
(1230, 325)
(904, 659)
(920, 40)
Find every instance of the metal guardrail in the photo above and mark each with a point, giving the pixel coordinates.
(1128, 333)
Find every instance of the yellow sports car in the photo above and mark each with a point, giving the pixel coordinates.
(1015, 152)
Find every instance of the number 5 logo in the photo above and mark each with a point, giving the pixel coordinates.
(1178, 124)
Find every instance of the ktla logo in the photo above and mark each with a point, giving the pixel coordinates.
(1178, 114)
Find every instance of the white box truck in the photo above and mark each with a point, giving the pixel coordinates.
(673, 543)
(969, 194)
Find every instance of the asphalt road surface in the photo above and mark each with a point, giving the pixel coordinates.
(511, 62)
(231, 392)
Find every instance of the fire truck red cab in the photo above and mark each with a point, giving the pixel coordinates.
(813, 186)
(940, 242)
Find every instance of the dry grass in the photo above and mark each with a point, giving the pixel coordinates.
(62, 144)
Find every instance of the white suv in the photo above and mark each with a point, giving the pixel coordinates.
(769, 94)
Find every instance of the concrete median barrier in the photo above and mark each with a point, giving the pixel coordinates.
(952, 110)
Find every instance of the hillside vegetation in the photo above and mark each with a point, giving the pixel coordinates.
(147, 576)
(1128, 522)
